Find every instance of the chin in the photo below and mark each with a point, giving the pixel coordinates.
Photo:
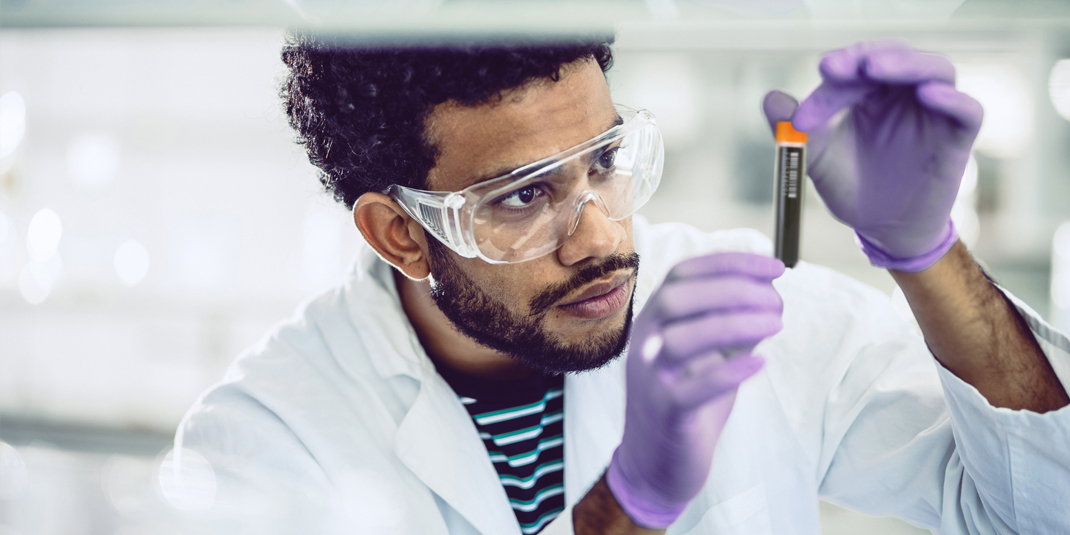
(588, 351)
(593, 329)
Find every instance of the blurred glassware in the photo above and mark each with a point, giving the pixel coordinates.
(1059, 87)
(1060, 278)
(1004, 93)
(43, 234)
(93, 160)
(131, 262)
(12, 122)
(964, 211)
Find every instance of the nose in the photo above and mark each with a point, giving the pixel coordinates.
(593, 237)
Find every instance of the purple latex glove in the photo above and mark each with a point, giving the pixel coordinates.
(890, 165)
(681, 381)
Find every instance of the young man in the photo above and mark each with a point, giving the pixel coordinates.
(497, 363)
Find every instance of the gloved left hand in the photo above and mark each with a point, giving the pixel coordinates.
(691, 348)
(889, 165)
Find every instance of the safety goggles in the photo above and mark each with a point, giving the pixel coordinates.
(533, 210)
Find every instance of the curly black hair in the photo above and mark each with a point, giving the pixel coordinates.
(360, 110)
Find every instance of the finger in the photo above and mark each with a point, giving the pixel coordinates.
(708, 382)
(745, 264)
(689, 297)
(778, 106)
(845, 66)
(943, 98)
(826, 101)
(690, 338)
(906, 67)
(653, 343)
(844, 81)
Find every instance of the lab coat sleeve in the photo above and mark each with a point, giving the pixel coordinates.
(256, 474)
(927, 447)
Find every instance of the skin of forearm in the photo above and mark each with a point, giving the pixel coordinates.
(598, 513)
(978, 334)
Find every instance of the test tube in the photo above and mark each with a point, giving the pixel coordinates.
(790, 176)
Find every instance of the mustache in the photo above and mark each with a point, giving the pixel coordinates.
(556, 292)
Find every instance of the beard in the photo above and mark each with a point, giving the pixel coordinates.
(487, 320)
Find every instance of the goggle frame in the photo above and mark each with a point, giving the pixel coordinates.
(449, 215)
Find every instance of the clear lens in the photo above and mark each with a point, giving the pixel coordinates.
(534, 209)
(531, 217)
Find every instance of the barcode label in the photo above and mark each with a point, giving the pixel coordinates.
(791, 173)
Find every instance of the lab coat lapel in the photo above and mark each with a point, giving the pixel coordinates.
(439, 443)
(436, 438)
(594, 425)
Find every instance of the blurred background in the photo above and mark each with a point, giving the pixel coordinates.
(156, 217)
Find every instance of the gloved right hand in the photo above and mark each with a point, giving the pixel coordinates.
(690, 350)
(889, 140)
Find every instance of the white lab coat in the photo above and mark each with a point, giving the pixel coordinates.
(336, 422)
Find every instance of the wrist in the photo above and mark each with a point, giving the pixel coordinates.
(599, 513)
(641, 509)
(913, 264)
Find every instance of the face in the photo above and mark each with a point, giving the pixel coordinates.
(568, 310)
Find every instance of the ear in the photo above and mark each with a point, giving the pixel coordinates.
(398, 238)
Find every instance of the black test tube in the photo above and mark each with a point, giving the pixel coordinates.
(790, 176)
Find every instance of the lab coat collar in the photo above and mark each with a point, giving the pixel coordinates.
(374, 305)
(436, 438)
(439, 443)
(594, 425)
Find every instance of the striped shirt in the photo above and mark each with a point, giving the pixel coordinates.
(520, 422)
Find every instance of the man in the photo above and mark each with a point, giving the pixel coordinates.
(481, 370)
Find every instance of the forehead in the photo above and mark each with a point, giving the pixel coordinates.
(529, 123)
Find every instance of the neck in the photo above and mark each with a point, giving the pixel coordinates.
(445, 344)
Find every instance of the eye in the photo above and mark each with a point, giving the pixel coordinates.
(522, 197)
(607, 160)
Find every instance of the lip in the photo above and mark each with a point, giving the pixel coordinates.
(599, 300)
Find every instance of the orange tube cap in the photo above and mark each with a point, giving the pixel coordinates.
(785, 133)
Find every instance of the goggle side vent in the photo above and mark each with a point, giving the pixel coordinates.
(433, 217)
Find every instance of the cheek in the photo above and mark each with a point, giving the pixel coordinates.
(515, 284)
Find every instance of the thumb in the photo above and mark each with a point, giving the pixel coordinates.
(778, 106)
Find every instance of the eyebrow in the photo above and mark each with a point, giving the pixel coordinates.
(507, 169)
